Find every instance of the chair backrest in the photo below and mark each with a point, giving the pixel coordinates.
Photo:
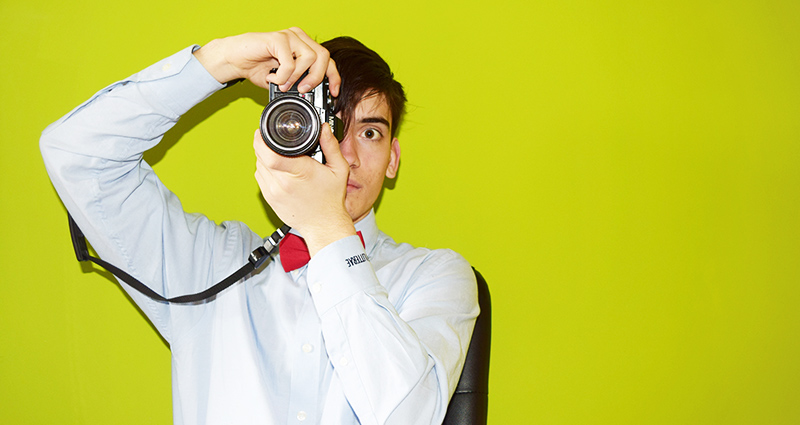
(469, 405)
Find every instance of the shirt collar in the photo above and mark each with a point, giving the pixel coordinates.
(368, 227)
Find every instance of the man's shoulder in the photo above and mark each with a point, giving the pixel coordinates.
(401, 255)
(408, 272)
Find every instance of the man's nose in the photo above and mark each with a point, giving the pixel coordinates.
(349, 151)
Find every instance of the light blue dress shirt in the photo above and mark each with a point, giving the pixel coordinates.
(379, 342)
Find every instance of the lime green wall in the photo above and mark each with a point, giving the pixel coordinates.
(636, 166)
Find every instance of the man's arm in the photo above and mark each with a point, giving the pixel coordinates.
(397, 350)
(94, 158)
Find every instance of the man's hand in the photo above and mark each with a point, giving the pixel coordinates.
(254, 55)
(305, 194)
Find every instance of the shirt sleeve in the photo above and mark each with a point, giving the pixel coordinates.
(93, 156)
(400, 360)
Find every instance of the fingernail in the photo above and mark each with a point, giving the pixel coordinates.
(304, 88)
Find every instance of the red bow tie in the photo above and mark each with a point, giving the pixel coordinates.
(294, 251)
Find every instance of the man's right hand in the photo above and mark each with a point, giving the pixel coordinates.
(254, 55)
(307, 195)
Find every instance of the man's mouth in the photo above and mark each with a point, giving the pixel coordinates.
(352, 185)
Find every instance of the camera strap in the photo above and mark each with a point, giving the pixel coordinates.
(254, 261)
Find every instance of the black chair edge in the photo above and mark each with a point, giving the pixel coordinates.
(470, 402)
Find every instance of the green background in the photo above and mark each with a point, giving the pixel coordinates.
(625, 175)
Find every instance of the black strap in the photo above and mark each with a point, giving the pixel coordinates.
(256, 259)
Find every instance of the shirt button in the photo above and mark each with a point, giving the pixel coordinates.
(301, 416)
(166, 67)
(317, 288)
(343, 361)
(307, 348)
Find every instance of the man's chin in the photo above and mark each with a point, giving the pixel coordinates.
(358, 216)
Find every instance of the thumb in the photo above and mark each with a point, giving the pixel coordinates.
(330, 148)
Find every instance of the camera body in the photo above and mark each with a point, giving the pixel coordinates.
(292, 121)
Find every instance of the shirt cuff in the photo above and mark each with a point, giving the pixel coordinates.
(339, 271)
(179, 81)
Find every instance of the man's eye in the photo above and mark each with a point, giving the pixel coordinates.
(372, 134)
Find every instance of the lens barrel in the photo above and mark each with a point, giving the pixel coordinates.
(290, 126)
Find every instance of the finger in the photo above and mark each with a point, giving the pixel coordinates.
(264, 180)
(303, 61)
(278, 163)
(330, 148)
(305, 55)
(261, 75)
(262, 174)
(334, 80)
(282, 46)
(318, 68)
(272, 181)
(265, 156)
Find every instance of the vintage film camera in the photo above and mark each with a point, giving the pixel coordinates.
(292, 121)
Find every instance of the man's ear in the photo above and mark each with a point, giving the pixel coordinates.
(394, 159)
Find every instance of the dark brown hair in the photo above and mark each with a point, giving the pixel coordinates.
(364, 73)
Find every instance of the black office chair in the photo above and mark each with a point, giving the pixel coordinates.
(469, 405)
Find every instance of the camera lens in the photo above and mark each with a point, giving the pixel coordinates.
(290, 126)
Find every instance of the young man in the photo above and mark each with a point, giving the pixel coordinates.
(368, 332)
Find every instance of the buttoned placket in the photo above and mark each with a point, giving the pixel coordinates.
(306, 350)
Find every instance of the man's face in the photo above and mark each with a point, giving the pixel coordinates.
(371, 153)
